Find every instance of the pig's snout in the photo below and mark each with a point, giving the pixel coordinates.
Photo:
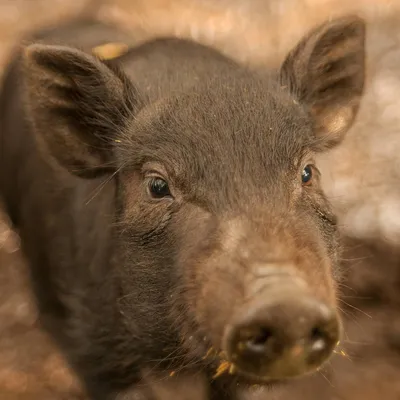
(281, 335)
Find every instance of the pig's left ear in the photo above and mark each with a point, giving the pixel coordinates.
(78, 106)
(325, 72)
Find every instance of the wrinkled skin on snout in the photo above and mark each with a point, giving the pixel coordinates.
(179, 220)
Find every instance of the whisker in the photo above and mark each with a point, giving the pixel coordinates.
(355, 308)
(100, 187)
(330, 383)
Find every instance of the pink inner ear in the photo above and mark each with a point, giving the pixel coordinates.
(332, 124)
(326, 70)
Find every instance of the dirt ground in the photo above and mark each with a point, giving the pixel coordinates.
(362, 178)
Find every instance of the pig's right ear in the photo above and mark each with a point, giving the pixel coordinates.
(78, 106)
(325, 72)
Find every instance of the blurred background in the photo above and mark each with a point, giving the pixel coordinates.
(362, 178)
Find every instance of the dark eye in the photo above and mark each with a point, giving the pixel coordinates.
(306, 175)
(158, 188)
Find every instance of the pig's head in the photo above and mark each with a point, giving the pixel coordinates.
(224, 237)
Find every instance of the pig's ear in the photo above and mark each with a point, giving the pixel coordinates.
(325, 71)
(78, 106)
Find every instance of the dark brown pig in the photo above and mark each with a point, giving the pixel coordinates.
(170, 208)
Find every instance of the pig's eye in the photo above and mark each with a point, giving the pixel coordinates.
(306, 175)
(158, 188)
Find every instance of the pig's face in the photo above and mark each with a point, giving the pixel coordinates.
(225, 238)
(221, 198)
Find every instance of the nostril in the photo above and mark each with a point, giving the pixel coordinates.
(258, 342)
(321, 342)
(317, 334)
(318, 339)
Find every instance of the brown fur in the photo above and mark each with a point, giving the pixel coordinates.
(368, 177)
(112, 273)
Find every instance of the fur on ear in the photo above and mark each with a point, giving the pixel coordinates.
(78, 105)
(326, 73)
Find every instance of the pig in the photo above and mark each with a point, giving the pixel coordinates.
(170, 208)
